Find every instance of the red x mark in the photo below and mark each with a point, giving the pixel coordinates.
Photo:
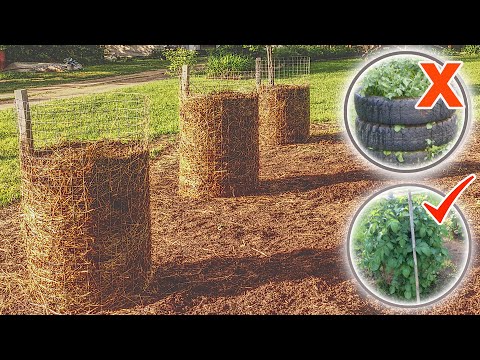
(440, 85)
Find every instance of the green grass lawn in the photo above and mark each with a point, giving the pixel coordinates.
(9, 81)
(329, 80)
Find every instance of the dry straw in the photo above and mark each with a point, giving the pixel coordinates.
(284, 114)
(284, 108)
(219, 155)
(85, 203)
(219, 144)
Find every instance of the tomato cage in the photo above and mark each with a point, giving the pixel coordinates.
(284, 100)
(85, 199)
(219, 154)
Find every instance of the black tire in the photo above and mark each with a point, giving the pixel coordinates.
(409, 157)
(410, 138)
(379, 110)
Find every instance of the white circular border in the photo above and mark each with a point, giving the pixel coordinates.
(460, 139)
(443, 295)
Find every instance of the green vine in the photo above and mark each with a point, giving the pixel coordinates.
(383, 247)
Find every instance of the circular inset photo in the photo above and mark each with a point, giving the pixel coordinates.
(405, 267)
(382, 120)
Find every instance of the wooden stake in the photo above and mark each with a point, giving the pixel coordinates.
(185, 85)
(412, 230)
(24, 121)
(271, 73)
(258, 73)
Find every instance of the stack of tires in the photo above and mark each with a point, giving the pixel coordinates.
(394, 131)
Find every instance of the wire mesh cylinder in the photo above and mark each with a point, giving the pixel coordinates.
(284, 114)
(219, 154)
(85, 202)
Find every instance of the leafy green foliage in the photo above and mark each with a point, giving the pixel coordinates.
(434, 150)
(179, 57)
(384, 250)
(453, 224)
(399, 156)
(251, 51)
(84, 54)
(398, 78)
(398, 128)
(318, 52)
(471, 49)
(315, 52)
(220, 65)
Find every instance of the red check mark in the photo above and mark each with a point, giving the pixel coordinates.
(438, 213)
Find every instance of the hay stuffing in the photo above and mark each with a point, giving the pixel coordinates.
(284, 114)
(86, 224)
(219, 155)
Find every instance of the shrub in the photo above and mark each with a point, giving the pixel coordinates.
(315, 52)
(251, 51)
(318, 52)
(220, 65)
(179, 57)
(455, 228)
(471, 49)
(84, 54)
(384, 251)
(398, 78)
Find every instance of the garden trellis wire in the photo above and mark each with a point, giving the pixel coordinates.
(295, 67)
(85, 199)
(218, 148)
(284, 100)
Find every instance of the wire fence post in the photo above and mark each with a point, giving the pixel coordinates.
(24, 121)
(412, 230)
(258, 72)
(271, 75)
(185, 85)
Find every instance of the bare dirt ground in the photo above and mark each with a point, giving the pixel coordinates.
(281, 251)
(80, 88)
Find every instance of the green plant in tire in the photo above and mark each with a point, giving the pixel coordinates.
(388, 122)
(383, 247)
(399, 78)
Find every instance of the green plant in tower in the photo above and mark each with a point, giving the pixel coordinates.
(383, 247)
(398, 78)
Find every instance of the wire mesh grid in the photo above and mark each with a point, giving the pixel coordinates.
(219, 153)
(284, 109)
(202, 82)
(85, 200)
(293, 70)
(295, 67)
(116, 116)
(218, 133)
